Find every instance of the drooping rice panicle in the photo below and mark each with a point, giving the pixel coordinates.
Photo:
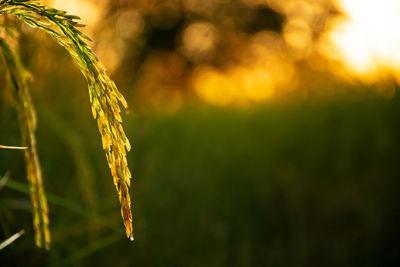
(103, 93)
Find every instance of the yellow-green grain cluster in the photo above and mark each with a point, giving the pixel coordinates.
(27, 124)
(104, 95)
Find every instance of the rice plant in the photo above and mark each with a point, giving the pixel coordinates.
(104, 98)
(27, 124)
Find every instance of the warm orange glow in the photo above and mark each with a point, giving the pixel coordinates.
(263, 72)
(366, 39)
(298, 35)
(89, 11)
(226, 65)
(199, 39)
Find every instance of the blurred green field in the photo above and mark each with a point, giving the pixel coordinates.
(305, 183)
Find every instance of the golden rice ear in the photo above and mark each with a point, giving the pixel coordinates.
(103, 93)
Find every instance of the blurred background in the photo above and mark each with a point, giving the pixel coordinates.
(264, 133)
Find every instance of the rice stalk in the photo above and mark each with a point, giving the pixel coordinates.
(27, 124)
(103, 93)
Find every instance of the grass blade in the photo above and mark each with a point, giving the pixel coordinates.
(13, 147)
(11, 239)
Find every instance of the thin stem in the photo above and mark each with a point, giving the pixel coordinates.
(14, 147)
(11, 239)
